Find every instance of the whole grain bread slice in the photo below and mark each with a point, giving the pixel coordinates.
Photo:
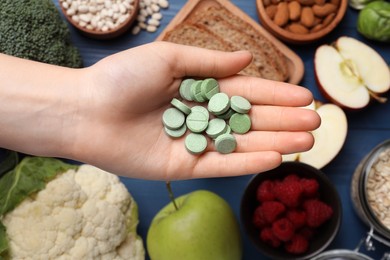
(190, 34)
(273, 54)
(222, 28)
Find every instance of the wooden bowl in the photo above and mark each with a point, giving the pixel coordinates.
(297, 38)
(98, 33)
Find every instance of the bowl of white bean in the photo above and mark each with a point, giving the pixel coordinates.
(100, 19)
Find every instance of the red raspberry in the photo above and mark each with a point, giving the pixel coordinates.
(307, 232)
(258, 218)
(297, 245)
(268, 212)
(317, 212)
(267, 236)
(297, 217)
(283, 229)
(289, 193)
(291, 177)
(310, 187)
(265, 191)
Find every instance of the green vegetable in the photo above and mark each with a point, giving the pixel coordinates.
(374, 21)
(30, 176)
(9, 161)
(34, 29)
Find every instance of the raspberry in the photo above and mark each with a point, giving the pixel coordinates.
(291, 177)
(258, 218)
(272, 210)
(309, 187)
(317, 212)
(289, 193)
(297, 245)
(265, 191)
(307, 232)
(283, 229)
(297, 218)
(268, 212)
(267, 236)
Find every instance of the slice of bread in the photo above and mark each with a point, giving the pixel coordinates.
(224, 29)
(190, 34)
(274, 56)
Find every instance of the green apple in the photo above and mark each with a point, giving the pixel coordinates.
(202, 227)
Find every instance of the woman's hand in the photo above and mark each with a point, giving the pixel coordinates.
(124, 96)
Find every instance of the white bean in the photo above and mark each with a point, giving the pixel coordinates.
(157, 16)
(151, 28)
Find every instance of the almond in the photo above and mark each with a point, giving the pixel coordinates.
(317, 28)
(281, 16)
(335, 2)
(307, 2)
(324, 10)
(297, 28)
(320, 2)
(307, 17)
(271, 11)
(328, 19)
(294, 10)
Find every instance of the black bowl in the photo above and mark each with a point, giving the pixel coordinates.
(328, 194)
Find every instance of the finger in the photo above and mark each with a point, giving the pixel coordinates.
(281, 142)
(214, 164)
(275, 118)
(199, 62)
(266, 92)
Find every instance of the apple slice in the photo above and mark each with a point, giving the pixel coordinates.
(350, 73)
(329, 137)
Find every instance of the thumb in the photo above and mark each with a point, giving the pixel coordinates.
(200, 62)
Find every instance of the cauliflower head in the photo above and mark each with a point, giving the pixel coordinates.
(83, 213)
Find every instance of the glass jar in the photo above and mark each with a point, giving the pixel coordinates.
(370, 193)
(341, 254)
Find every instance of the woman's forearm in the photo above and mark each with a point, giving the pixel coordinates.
(38, 106)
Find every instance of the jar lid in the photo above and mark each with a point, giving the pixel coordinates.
(341, 254)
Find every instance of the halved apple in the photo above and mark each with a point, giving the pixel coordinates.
(350, 73)
(329, 137)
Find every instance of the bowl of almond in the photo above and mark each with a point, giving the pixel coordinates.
(301, 21)
(291, 212)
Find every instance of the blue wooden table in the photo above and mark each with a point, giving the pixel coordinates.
(366, 129)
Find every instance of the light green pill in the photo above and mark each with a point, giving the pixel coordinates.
(240, 104)
(202, 110)
(225, 143)
(216, 127)
(196, 143)
(209, 88)
(185, 89)
(196, 91)
(227, 114)
(197, 122)
(240, 123)
(228, 129)
(173, 118)
(181, 106)
(219, 104)
(176, 133)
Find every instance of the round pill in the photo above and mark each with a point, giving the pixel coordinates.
(202, 110)
(240, 123)
(240, 104)
(176, 133)
(185, 89)
(219, 104)
(216, 127)
(196, 143)
(196, 91)
(181, 106)
(209, 88)
(227, 114)
(197, 122)
(225, 143)
(173, 118)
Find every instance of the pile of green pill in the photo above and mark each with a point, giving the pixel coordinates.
(222, 116)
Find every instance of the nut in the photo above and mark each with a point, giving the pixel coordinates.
(271, 11)
(307, 17)
(324, 10)
(297, 28)
(294, 10)
(281, 16)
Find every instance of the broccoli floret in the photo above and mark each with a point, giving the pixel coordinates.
(34, 30)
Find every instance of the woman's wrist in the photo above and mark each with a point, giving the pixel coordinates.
(39, 106)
